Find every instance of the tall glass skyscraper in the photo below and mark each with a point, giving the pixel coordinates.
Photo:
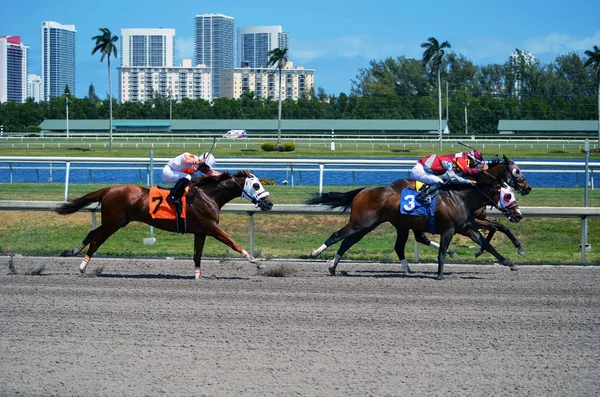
(148, 47)
(58, 59)
(255, 42)
(13, 69)
(214, 45)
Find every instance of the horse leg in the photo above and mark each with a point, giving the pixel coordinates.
(445, 239)
(341, 234)
(345, 246)
(489, 237)
(421, 238)
(199, 240)
(215, 231)
(83, 244)
(401, 237)
(97, 238)
(476, 236)
(493, 227)
(501, 228)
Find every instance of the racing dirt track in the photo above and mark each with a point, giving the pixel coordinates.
(146, 327)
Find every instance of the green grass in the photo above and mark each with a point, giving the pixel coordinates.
(364, 149)
(286, 236)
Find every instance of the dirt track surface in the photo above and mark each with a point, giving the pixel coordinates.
(146, 327)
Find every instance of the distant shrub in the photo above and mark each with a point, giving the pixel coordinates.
(266, 181)
(287, 147)
(268, 147)
(32, 128)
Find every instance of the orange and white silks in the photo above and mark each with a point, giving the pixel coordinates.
(160, 208)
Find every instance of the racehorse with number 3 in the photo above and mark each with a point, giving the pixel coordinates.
(454, 212)
(205, 198)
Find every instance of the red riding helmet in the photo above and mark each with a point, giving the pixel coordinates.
(476, 155)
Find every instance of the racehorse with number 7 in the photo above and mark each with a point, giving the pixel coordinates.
(205, 198)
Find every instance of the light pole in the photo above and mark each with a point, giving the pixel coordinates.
(466, 120)
(170, 108)
(67, 105)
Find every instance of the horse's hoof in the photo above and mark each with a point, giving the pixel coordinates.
(332, 271)
(454, 255)
(66, 253)
(440, 277)
(478, 253)
(305, 256)
(521, 252)
(260, 266)
(513, 267)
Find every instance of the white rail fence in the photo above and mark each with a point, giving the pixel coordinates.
(145, 166)
(583, 213)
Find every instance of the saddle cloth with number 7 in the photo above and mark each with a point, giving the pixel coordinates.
(160, 208)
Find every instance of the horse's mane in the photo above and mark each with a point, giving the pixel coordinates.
(212, 182)
(495, 161)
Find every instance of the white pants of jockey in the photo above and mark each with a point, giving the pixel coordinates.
(419, 173)
(171, 175)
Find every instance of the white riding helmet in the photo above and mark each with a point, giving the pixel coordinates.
(209, 160)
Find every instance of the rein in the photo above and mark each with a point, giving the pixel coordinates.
(252, 199)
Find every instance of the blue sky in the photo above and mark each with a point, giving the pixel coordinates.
(335, 38)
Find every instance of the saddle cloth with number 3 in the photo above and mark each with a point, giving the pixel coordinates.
(160, 208)
(410, 206)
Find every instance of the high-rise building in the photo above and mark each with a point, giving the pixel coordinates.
(140, 83)
(148, 47)
(34, 87)
(58, 59)
(214, 45)
(255, 42)
(13, 69)
(264, 82)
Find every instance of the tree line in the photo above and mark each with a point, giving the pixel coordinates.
(394, 88)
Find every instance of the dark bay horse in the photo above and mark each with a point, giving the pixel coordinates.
(454, 212)
(205, 198)
(507, 204)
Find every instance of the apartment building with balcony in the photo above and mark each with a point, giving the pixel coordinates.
(13, 69)
(142, 83)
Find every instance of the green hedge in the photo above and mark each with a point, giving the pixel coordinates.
(284, 147)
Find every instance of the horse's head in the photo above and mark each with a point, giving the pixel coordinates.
(507, 203)
(253, 190)
(508, 171)
(515, 177)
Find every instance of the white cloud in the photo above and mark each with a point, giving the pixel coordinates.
(184, 47)
(557, 43)
(365, 46)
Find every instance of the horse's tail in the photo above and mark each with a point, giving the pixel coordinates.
(335, 199)
(75, 205)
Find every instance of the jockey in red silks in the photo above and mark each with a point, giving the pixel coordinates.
(181, 170)
(435, 170)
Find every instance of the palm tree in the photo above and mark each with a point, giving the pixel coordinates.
(594, 61)
(278, 58)
(434, 56)
(105, 43)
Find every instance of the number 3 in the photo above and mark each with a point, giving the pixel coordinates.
(410, 202)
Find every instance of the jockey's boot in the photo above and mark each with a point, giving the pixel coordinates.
(175, 198)
(424, 195)
(177, 190)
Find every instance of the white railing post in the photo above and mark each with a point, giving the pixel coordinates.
(67, 169)
(321, 168)
(251, 221)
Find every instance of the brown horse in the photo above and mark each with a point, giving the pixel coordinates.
(454, 212)
(205, 198)
(507, 204)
